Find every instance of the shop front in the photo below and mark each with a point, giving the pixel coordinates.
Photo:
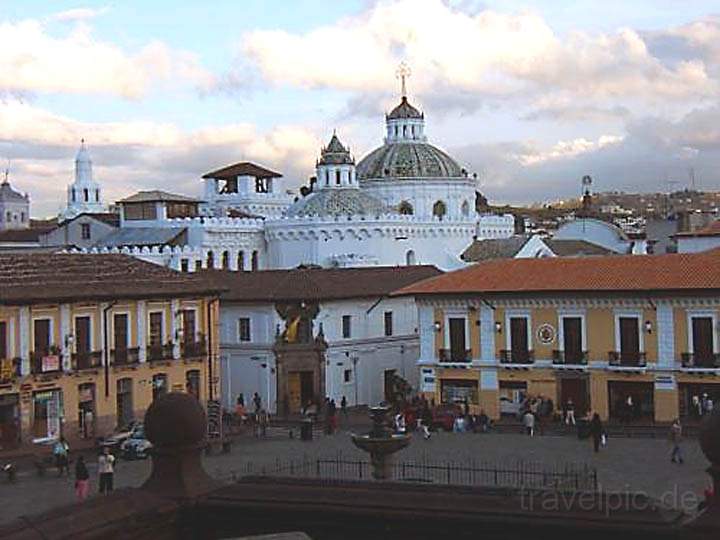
(86, 410)
(9, 421)
(631, 401)
(459, 391)
(47, 415)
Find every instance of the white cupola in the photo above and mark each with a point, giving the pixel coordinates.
(83, 195)
(336, 167)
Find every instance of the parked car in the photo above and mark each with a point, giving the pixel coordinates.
(115, 441)
(509, 407)
(443, 416)
(136, 446)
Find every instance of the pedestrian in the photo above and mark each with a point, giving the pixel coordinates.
(257, 401)
(332, 416)
(60, 452)
(106, 470)
(400, 425)
(82, 479)
(709, 405)
(630, 408)
(529, 423)
(483, 421)
(570, 412)
(343, 407)
(696, 407)
(241, 399)
(262, 423)
(596, 431)
(676, 456)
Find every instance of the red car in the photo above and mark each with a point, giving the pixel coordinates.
(443, 416)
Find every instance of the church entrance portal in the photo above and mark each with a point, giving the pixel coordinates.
(301, 389)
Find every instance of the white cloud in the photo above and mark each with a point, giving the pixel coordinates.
(78, 14)
(567, 149)
(33, 60)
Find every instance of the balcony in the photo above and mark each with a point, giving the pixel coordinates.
(193, 349)
(45, 362)
(508, 356)
(86, 360)
(9, 370)
(579, 358)
(159, 353)
(627, 359)
(690, 360)
(125, 357)
(448, 355)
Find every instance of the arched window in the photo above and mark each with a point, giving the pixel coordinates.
(439, 209)
(465, 208)
(410, 258)
(225, 260)
(86, 195)
(159, 385)
(192, 382)
(72, 194)
(337, 177)
(406, 209)
(97, 195)
(327, 178)
(254, 265)
(210, 260)
(241, 261)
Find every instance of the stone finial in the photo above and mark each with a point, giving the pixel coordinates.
(176, 425)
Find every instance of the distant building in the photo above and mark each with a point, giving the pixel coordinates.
(84, 194)
(534, 246)
(604, 234)
(14, 207)
(702, 239)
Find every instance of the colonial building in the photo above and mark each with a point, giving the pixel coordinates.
(308, 333)
(596, 330)
(87, 342)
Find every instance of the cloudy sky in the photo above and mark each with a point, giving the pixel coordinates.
(531, 95)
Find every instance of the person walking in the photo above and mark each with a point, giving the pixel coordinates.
(529, 423)
(570, 412)
(343, 407)
(106, 470)
(257, 401)
(676, 456)
(60, 452)
(82, 479)
(596, 431)
(262, 423)
(332, 417)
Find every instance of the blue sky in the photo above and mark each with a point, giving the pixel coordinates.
(531, 95)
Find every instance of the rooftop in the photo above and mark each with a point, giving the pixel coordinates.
(110, 218)
(8, 194)
(404, 110)
(157, 196)
(314, 283)
(143, 236)
(621, 273)
(711, 230)
(43, 278)
(243, 168)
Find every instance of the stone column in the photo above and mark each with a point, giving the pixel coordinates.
(233, 255)
(141, 334)
(426, 329)
(65, 331)
(665, 336)
(174, 326)
(487, 334)
(24, 324)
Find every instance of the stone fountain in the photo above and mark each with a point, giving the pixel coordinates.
(381, 443)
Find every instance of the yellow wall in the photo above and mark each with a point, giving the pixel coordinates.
(651, 341)
(681, 332)
(540, 317)
(600, 333)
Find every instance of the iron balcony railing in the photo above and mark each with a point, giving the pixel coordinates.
(157, 353)
(627, 359)
(193, 349)
(45, 362)
(9, 370)
(86, 360)
(448, 355)
(691, 360)
(125, 357)
(510, 356)
(579, 358)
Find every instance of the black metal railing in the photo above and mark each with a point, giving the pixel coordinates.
(86, 360)
(39, 364)
(157, 353)
(578, 358)
(510, 356)
(691, 360)
(627, 359)
(125, 357)
(9, 370)
(448, 355)
(193, 349)
(515, 474)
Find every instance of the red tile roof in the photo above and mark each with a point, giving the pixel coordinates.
(51, 278)
(244, 168)
(627, 273)
(314, 283)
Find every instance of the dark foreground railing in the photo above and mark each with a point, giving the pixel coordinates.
(516, 474)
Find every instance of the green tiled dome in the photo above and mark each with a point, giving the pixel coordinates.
(338, 202)
(408, 160)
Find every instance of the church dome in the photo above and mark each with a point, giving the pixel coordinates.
(336, 202)
(404, 110)
(408, 160)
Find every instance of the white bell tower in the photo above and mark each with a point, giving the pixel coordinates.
(83, 195)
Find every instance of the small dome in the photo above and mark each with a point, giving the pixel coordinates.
(404, 110)
(408, 160)
(336, 202)
(335, 154)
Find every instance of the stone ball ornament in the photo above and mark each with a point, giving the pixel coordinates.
(175, 419)
(710, 438)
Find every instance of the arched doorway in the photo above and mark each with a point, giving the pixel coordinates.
(410, 258)
(439, 209)
(406, 209)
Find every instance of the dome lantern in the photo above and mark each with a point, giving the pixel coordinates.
(336, 167)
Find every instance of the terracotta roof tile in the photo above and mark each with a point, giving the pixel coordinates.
(625, 273)
(244, 168)
(43, 278)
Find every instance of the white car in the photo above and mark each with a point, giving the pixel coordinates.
(136, 446)
(508, 406)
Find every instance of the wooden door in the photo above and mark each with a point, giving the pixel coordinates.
(519, 338)
(82, 335)
(629, 339)
(702, 334)
(41, 337)
(188, 322)
(457, 339)
(572, 339)
(120, 329)
(294, 398)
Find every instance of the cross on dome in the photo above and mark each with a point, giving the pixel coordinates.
(403, 73)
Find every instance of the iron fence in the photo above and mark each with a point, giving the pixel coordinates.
(514, 474)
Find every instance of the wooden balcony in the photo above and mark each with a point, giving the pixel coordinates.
(691, 360)
(447, 355)
(193, 349)
(86, 360)
(125, 357)
(160, 353)
(627, 359)
(508, 356)
(570, 359)
(9, 370)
